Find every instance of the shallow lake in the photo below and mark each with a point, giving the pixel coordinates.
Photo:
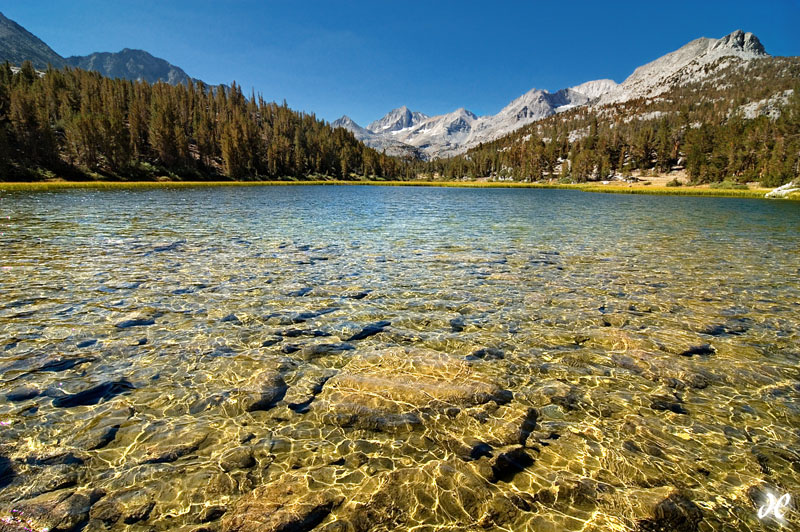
(391, 358)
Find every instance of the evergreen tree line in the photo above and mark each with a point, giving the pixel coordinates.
(71, 122)
(699, 128)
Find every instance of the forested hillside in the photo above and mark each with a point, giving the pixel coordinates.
(76, 124)
(741, 124)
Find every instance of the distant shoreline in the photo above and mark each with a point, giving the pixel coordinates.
(585, 187)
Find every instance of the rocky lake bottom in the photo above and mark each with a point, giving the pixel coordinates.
(359, 358)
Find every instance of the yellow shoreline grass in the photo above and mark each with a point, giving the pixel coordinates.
(585, 187)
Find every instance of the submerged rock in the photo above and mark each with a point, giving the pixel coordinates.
(63, 364)
(303, 391)
(394, 388)
(7, 473)
(668, 404)
(733, 327)
(296, 333)
(135, 322)
(63, 511)
(703, 349)
(101, 430)
(231, 318)
(269, 342)
(138, 319)
(281, 506)
(55, 456)
(518, 426)
(86, 343)
(357, 295)
(168, 246)
(487, 353)
(310, 352)
(305, 316)
(485, 430)
(53, 478)
(212, 513)
(94, 395)
(97, 439)
(22, 394)
(457, 324)
(288, 349)
(169, 451)
(300, 292)
(370, 330)
(444, 493)
(129, 506)
(262, 391)
(673, 511)
(55, 365)
(661, 367)
(506, 465)
(237, 458)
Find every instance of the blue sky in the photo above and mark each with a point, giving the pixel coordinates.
(365, 58)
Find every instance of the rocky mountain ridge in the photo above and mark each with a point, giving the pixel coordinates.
(453, 133)
(18, 45)
(131, 64)
(406, 133)
(690, 63)
(456, 132)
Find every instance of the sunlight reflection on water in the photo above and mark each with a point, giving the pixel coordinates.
(403, 357)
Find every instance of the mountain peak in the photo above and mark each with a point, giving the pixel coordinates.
(134, 51)
(596, 88)
(345, 122)
(397, 119)
(741, 41)
(691, 62)
(463, 111)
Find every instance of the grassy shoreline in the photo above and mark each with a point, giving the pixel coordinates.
(585, 187)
